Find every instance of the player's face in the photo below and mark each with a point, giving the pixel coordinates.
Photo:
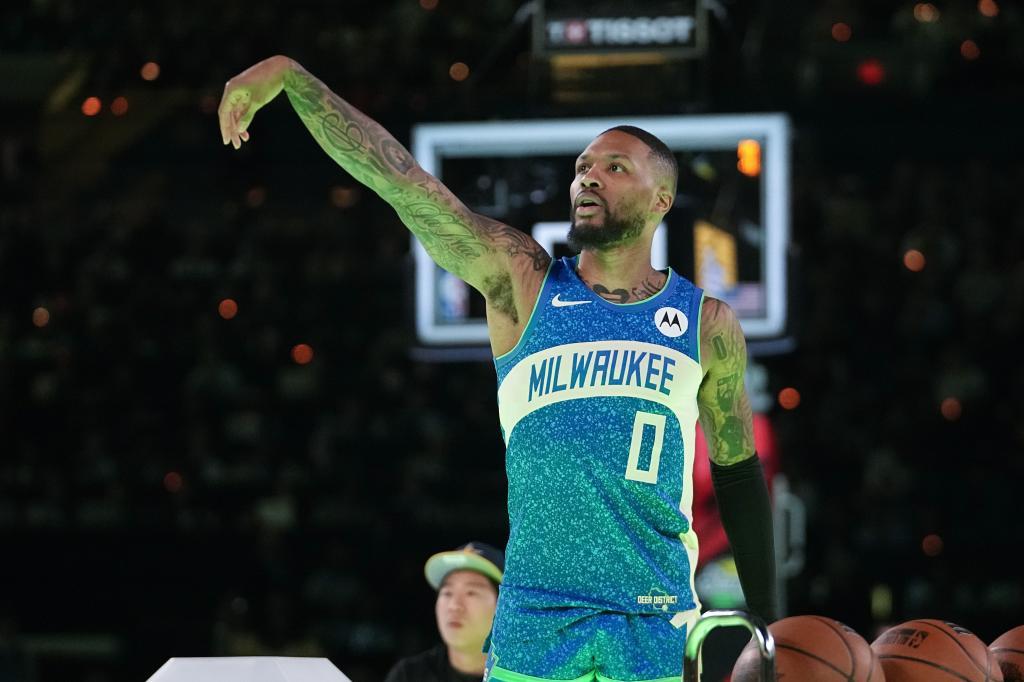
(612, 193)
(464, 609)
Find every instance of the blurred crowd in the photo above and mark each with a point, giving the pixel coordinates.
(174, 482)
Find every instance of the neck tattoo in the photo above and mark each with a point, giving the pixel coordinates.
(650, 286)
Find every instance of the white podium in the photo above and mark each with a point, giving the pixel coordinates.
(248, 669)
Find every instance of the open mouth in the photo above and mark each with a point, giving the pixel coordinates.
(587, 205)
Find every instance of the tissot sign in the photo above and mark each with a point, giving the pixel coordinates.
(676, 28)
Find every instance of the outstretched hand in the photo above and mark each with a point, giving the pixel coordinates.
(245, 94)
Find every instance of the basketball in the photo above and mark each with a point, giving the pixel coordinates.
(1008, 650)
(813, 649)
(927, 650)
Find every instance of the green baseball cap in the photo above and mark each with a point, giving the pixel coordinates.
(472, 556)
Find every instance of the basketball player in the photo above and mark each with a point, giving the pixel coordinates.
(603, 366)
(466, 580)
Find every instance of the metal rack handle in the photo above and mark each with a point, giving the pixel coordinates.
(716, 619)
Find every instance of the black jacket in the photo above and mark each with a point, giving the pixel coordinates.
(430, 666)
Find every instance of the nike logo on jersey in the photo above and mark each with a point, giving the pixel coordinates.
(559, 303)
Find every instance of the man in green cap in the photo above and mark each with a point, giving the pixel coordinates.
(466, 580)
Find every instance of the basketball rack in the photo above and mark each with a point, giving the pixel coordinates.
(716, 619)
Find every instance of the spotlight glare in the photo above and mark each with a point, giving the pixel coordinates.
(748, 153)
(926, 12)
(871, 72)
(208, 104)
(40, 317)
(932, 545)
(173, 482)
(841, 32)
(150, 71)
(914, 260)
(119, 107)
(91, 106)
(458, 71)
(344, 197)
(951, 409)
(302, 354)
(228, 308)
(255, 197)
(789, 398)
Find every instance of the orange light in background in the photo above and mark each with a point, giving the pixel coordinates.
(969, 50)
(988, 8)
(428, 4)
(255, 197)
(119, 107)
(749, 154)
(871, 72)
(344, 197)
(459, 71)
(173, 483)
(926, 12)
(40, 317)
(913, 260)
(841, 32)
(228, 308)
(91, 106)
(951, 409)
(931, 545)
(302, 354)
(208, 104)
(789, 398)
(150, 71)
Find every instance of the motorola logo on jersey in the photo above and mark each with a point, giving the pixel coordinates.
(671, 322)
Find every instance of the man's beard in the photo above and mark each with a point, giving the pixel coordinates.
(618, 228)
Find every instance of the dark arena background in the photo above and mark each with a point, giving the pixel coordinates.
(222, 432)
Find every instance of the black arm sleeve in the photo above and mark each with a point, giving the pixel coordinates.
(746, 512)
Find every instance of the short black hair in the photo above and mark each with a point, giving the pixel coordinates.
(494, 583)
(659, 150)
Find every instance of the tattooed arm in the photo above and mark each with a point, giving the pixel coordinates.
(485, 253)
(725, 411)
(736, 474)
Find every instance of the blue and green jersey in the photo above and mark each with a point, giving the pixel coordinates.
(598, 407)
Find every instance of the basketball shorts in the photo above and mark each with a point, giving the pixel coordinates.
(605, 646)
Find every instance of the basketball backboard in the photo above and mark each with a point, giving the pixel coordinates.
(728, 230)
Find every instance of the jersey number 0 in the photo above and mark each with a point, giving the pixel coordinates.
(633, 470)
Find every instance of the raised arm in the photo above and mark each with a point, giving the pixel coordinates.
(483, 252)
(736, 473)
